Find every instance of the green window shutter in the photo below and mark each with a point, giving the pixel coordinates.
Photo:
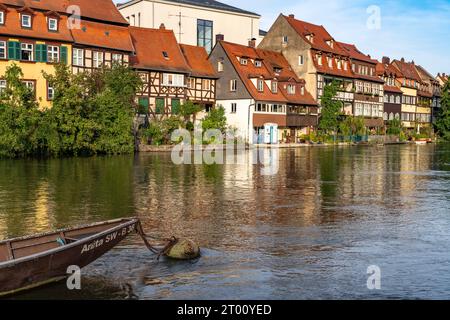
(175, 106)
(14, 50)
(143, 105)
(64, 54)
(159, 106)
(41, 53)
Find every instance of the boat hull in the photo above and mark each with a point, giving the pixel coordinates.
(35, 270)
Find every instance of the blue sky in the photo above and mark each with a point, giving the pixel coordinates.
(415, 30)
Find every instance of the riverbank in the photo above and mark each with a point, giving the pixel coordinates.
(168, 148)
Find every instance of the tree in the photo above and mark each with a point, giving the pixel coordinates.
(19, 116)
(216, 119)
(331, 109)
(442, 124)
(395, 127)
(189, 110)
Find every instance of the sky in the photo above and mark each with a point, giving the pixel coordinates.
(415, 30)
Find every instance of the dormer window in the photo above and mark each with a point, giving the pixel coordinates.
(52, 24)
(285, 39)
(2, 17)
(25, 20)
(274, 86)
(310, 37)
(319, 59)
(302, 91)
(258, 63)
(330, 43)
(330, 62)
(277, 70)
(345, 65)
(291, 89)
(165, 55)
(260, 85)
(244, 61)
(339, 64)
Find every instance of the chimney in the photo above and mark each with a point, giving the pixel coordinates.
(162, 26)
(402, 60)
(292, 16)
(412, 62)
(252, 43)
(220, 37)
(386, 60)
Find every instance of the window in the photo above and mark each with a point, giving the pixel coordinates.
(2, 17)
(386, 98)
(220, 66)
(397, 100)
(98, 59)
(191, 83)
(330, 62)
(260, 85)
(244, 61)
(285, 39)
(233, 107)
(345, 65)
(50, 92)
(26, 51)
(26, 21)
(171, 79)
(78, 57)
(117, 57)
(29, 85)
(302, 91)
(206, 84)
(205, 34)
(53, 24)
(2, 86)
(160, 106)
(274, 86)
(52, 54)
(2, 49)
(301, 60)
(175, 106)
(165, 55)
(291, 89)
(233, 85)
(258, 63)
(339, 64)
(319, 60)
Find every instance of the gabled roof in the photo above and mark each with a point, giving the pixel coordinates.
(425, 75)
(150, 46)
(355, 54)
(12, 27)
(407, 69)
(334, 70)
(274, 66)
(212, 4)
(103, 35)
(387, 70)
(100, 10)
(197, 59)
(321, 36)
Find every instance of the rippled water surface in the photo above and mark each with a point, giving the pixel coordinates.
(310, 231)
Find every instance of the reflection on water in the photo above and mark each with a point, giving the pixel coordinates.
(309, 231)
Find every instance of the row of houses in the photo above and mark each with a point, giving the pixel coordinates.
(212, 54)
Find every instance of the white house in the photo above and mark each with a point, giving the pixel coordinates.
(195, 22)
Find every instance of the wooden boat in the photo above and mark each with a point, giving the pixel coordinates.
(32, 261)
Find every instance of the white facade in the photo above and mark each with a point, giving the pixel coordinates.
(234, 26)
(241, 118)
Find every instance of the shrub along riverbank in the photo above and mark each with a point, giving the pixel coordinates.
(92, 114)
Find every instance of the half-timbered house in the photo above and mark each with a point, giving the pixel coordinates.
(171, 74)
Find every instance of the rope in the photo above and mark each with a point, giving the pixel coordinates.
(169, 243)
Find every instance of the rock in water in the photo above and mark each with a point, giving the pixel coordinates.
(184, 249)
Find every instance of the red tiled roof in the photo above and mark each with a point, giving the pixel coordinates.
(424, 94)
(392, 89)
(197, 59)
(270, 61)
(150, 45)
(321, 36)
(103, 35)
(104, 10)
(387, 69)
(407, 69)
(334, 71)
(356, 54)
(39, 29)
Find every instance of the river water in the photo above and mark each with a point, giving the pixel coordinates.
(310, 231)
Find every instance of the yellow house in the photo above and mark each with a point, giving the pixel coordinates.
(35, 40)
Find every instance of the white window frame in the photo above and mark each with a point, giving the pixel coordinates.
(54, 26)
(2, 86)
(78, 57)
(22, 20)
(220, 66)
(97, 59)
(27, 47)
(117, 57)
(258, 63)
(291, 89)
(274, 85)
(233, 85)
(2, 17)
(4, 47)
(260, 85)
(301, 60)
(51, 96)
(30, 85)
(173, 80)
(234, 107)
(52, 54)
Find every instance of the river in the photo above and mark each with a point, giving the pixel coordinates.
(310, 231)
